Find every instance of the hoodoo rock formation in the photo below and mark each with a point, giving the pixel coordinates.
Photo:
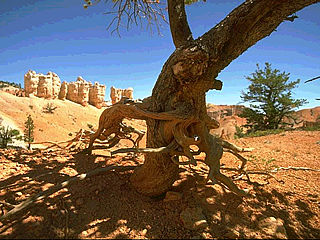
(63, 91)
(78, 91)
(31, 80)
(49, 86)
(96, 95)
(116, 94)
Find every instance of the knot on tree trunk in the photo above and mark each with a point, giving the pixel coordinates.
(190, 64)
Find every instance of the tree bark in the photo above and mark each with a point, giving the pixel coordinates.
(179, 26)
(190, 72)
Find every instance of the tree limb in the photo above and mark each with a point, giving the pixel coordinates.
(179, 26)
(312, 79)
(243, 27)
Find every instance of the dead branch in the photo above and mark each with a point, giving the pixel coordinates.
(131, 12)
(312, 79)
(142, 150)
(295, 168)
(42, 195)
(243, 160)
(233, 147)
(7, 204)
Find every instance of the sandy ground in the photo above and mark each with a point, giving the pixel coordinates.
(66, 120)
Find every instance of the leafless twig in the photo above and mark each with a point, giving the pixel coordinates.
(134, 11)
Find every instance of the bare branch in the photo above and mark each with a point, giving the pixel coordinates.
(312, 79)
(129, 12)
(295, 168)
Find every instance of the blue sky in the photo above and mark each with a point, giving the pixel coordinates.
(63, 37)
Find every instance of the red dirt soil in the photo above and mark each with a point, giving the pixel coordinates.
(107, 206)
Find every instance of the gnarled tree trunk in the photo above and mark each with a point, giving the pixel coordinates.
(191, 71)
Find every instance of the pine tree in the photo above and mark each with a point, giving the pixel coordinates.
(28, 131)
(270, 98)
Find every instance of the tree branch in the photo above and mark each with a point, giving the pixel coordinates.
(179, 26)
(312, 79)
(243, 27)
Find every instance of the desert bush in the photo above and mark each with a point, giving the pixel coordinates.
(312, 128)
(262, 164)
(239, 132)
(4, 84)
(49, 108)
(7, 135)
(259, 133)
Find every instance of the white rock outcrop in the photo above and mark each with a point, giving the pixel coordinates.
(116, 94)
(81, 91)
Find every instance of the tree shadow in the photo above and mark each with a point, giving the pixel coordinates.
(101, 206)
(227, 212)
(107, 206)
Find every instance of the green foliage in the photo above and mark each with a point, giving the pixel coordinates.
(260, 133)
(7, 135)
(28, 131)
(239, 132)
(270, 98)
(4, 84)
(49, 108)
(312, 128)
(263, 164)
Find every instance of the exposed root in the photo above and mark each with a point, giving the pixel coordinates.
(142, 150)
(233, 147)
(213, 148)
(82, 138)
(42, 195)
(243, 160)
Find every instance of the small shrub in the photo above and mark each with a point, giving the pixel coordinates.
(260, 133)
(262, 164)
(28, 131)
(7, 135)
(49, 108)
(239, 132)
(90, 126)
(4, 84)
(312, 128)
